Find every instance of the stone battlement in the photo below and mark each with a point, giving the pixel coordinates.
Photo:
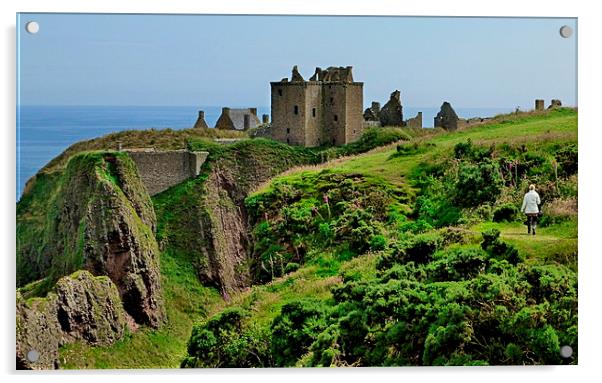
(160, 170)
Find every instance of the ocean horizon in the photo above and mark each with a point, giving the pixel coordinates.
(43, 132)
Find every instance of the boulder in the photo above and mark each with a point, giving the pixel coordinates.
(81, 307)
(555, 104)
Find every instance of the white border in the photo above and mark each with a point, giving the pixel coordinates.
(590, 126)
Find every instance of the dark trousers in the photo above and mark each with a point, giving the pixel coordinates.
(531, 221)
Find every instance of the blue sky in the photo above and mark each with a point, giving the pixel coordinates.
(85, 59)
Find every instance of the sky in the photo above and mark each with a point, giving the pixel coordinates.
(183, 60)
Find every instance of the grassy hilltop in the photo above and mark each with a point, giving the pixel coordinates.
(412, 254)
(405, 248)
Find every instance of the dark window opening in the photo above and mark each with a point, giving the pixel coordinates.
(333, 141)
(336, 118)
(313, 112)
(288, 140)
(331, 99)
(279, 92)
(288, 130)
(296, 109)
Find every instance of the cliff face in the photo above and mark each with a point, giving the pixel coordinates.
(206, 218)
(95, 215)
(81, 307)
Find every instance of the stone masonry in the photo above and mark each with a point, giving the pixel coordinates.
(326, 110)
(160, 170)
(392, 113)
(200, 122)
(415, 122)
(447, 117)
(539, 104)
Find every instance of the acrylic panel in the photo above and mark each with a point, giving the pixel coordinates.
(207, 191)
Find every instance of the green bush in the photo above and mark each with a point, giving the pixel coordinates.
(499, 249)
(224, 341)
(507, 212)
(378, 242)
(295, 329)
(457, 264)
(477, 184)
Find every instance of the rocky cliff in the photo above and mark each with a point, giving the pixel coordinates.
(94, 214)
(206, 218)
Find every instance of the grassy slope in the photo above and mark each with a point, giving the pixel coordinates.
(557, 243)
(186, 298)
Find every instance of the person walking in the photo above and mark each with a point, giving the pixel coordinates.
(531, 209)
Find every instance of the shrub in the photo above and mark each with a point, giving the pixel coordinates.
(507, 212)
(499, 249)
(468, 151)
(567, 160)
(378, 242)
(418, 248)
(558, 210)
(457, 264)
(477, 183)
(224, 341)
(291, 267)
(294, 330)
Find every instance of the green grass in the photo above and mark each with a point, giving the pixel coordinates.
(553, 244)
(188, 301)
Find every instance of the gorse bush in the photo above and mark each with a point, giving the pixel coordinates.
(507, 212)
(318, 213)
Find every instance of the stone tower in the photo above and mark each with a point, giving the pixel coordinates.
(326, 110)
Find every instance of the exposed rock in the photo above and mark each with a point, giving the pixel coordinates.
(102, 221)
(555, 104)
(447, 117)
(89, 308)
(392, 113)
(372, 113)
(209, 222)
(82, 307)
(38, 333)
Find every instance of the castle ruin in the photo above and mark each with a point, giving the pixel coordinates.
(160, 170)
(327, 109)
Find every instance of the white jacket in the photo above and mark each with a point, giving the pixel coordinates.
(530, 202)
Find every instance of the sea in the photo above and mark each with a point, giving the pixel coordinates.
(43, 132)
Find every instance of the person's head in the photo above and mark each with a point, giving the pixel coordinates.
(531, 187)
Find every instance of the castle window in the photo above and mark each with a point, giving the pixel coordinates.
(296, 109)
(279, 92)
(288, 140)
(336, 118)
(331, 99)
(288, 130)
(313, 112)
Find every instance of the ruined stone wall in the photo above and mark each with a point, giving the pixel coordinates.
(286, 125)
(335, 113)
(313, 114)
(415, 122)
(224, 121)
(161, 170)
(354, 118)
